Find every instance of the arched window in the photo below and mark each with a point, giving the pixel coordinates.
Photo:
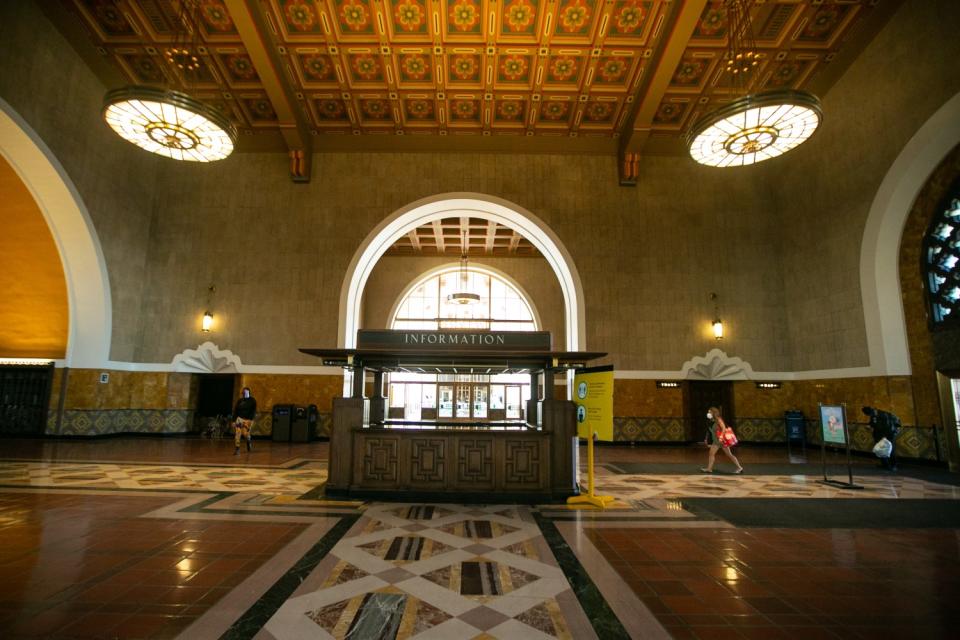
(488, 396)
(501, 307)
(941, 251)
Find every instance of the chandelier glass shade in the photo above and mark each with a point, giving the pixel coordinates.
(463, 296)
(169, 123)
(755, 128)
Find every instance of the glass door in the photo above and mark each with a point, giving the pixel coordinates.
(514, 403)
(411, 406)
(446, 401)
(480, 394)
(463, 401)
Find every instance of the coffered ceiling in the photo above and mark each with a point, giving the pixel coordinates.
(446, 237)
(592, 76)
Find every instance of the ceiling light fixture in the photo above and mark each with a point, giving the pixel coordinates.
(754, 127)
(168, 122)
(464, 296)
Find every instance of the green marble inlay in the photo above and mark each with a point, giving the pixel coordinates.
(601, 617)
(250, 623)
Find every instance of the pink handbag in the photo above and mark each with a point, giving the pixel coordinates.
(726, 436)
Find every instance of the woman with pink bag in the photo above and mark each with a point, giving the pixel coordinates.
(719, 435)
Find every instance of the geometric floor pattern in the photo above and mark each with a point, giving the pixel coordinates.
(297, 476)
(435, 571)
(191, 547)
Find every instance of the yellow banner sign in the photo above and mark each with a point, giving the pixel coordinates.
(593, 395)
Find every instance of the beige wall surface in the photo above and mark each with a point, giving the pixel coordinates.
(825, 188)
(648, 257)
(393, 274)
(51, 88)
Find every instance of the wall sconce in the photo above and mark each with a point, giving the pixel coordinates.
(717, 322)
(207, 323)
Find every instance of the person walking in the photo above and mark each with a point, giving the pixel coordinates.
(714, 439)
(884, 425)
(244, 412)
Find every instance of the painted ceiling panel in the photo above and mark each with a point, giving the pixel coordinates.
(533, 67)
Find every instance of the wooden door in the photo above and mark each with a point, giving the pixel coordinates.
(702, 395)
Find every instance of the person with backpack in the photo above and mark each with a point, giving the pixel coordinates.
(884, 425)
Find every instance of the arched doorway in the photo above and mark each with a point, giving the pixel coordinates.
(407, 218)
(88, 288)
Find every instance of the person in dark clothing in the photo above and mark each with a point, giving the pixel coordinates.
(884, 425)
(244, 412)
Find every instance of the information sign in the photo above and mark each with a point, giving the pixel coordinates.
(593, 395)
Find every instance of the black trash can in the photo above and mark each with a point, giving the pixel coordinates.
(795, 426)
(300, 424)
(282, 414)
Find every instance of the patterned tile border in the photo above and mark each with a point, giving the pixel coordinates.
(919, 443)
(99, 422)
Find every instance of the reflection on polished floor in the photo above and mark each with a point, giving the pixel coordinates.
(151, 538)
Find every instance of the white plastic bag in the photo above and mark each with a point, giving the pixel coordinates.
(883, 448)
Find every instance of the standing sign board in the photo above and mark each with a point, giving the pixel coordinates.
(833, 424)
(593, 395)
(833, 429)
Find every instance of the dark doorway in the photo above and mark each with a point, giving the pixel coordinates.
(700, 397)
(24, 399)
(215, 394)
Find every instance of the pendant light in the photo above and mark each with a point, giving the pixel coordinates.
(167, 121)
(755, 126)
(463, 296)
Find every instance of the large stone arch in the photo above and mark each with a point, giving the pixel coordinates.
(85, 270)
(879, 251)
(476, 205)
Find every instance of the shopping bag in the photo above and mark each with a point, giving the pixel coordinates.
(726, 436)
(883, 448)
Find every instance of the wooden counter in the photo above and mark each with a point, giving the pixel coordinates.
(452, 463)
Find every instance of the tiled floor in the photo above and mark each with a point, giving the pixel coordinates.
(140, 538)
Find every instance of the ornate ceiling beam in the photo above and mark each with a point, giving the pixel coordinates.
(681, 23)
(491, 236)
(465, 234)
(256, 36)
(415, 240)
(438, 236)
(514, 243)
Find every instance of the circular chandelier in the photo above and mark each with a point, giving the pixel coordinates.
(169, 123)
(464, 296)
(755, 128)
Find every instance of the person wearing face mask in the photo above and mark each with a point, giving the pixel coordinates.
(244, 412)
(714, 441)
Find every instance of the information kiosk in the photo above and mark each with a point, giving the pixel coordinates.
(453, 459)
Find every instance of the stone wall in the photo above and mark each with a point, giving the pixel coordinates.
(648, 257)
(825, 189)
